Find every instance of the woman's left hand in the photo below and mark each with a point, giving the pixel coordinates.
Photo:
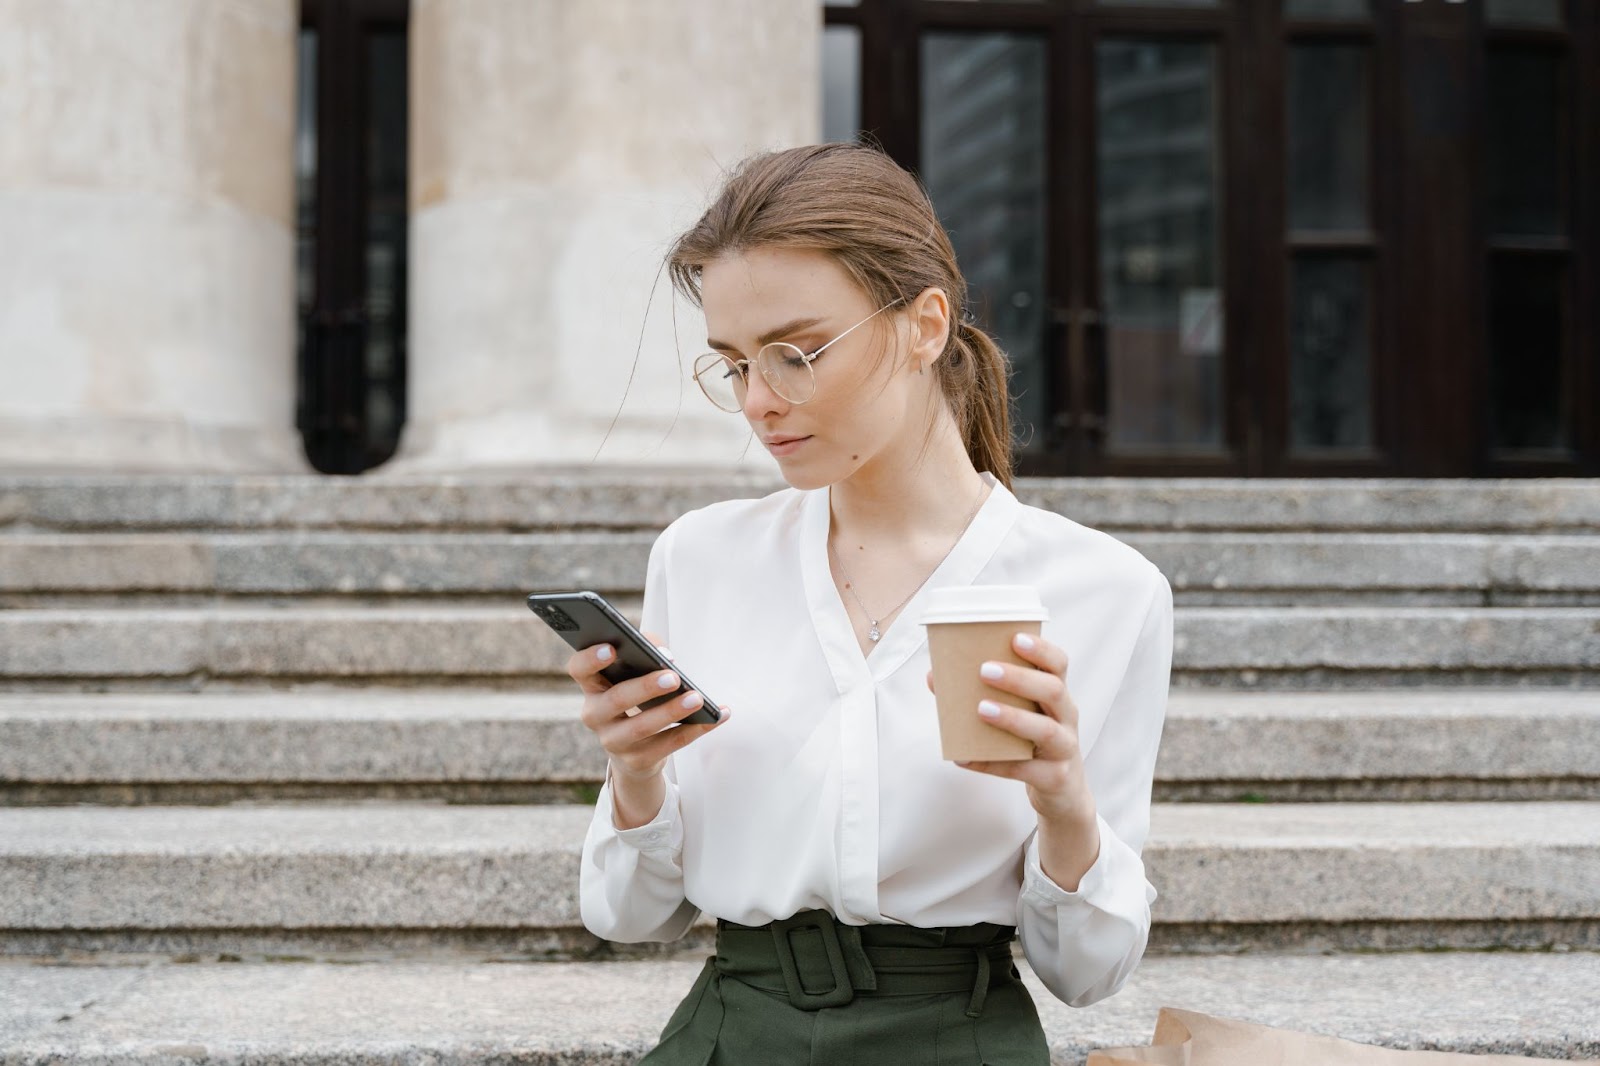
(1057, 787)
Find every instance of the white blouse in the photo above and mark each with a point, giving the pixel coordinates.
(826, 787)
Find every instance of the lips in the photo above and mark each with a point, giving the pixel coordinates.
(780, 449)
(771, 441)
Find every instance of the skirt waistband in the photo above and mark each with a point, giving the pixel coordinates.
(818, 961)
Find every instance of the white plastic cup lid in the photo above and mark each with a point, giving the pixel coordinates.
(984, 603)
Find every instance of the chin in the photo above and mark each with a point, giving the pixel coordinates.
(814, 477)
(805, 482)
(806, 476)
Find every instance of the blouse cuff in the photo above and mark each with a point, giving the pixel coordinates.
(662, 833)
(1101, 883)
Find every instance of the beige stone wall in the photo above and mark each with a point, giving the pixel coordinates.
(146, 199)
(556, 149)
(146, 209)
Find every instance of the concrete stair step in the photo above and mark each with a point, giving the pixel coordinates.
(1393, 745)
(475, 746)
(463, 1013)
(302, 563)
(1204, 567)
(321, 877)
(1277, 646)
(1363, 568)
(613, 497)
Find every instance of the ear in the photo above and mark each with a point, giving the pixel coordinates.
(930, 319)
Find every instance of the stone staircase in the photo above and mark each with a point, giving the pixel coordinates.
(289, 771)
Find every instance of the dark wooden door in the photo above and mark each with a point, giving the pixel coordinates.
(1075, 156)
(1536, 71)
(1267, 237)
(1436, 185)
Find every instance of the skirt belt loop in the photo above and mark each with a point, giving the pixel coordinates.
(980, 987)
(862, 975)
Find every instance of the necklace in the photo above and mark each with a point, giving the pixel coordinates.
(850, 582)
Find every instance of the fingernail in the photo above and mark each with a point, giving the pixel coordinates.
(665, 651)
(988, 709)
(692, 700)
(1024, 642)
(604, 654)
(991, 671)
(668, 681)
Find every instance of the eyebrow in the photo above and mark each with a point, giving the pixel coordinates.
(771, 335)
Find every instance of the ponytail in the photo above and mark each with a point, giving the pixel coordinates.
(972, 375)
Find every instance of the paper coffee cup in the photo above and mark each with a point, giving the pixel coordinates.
(966, 628)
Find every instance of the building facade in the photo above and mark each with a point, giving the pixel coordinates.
(1215, 237)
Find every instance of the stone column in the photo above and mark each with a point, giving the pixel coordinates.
(557, 148)
(146, 239)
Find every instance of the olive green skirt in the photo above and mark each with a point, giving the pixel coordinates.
(809, 990)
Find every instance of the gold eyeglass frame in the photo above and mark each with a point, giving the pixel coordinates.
(703, 364)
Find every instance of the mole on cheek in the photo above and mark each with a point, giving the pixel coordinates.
(855, 457)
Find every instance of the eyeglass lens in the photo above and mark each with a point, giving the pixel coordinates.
(783, 366)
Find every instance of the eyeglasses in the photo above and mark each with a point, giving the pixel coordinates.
(783, 366)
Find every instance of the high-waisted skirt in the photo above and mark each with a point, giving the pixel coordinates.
(809, 990)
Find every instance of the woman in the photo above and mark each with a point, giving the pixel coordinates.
(866, 891)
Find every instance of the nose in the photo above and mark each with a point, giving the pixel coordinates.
(760, 399)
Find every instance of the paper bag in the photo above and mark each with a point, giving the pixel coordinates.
(1189, 1038)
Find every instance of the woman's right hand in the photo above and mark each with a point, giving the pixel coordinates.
(636, 744)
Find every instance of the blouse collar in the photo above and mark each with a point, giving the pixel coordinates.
(904, 635)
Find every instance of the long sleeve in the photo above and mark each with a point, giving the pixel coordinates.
(1085, 944)
(630, 881)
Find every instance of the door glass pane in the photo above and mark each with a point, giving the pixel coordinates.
(1330, 383)
(841, 82)
(1526, 342)
(386, 240)
(1328, 9)
(1522, 147)
(983, 151)
(1161, 294)
(305, 170)
(1522, 12)
(1328, 136)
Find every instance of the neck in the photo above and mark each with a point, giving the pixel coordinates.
(907, 502)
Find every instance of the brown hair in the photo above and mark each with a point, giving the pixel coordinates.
(857, 205)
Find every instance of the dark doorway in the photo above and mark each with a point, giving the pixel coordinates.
(1285, 237)
(350, 167)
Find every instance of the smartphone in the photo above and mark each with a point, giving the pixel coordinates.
(584, 619)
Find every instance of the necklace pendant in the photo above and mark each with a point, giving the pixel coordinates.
(874, 635)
